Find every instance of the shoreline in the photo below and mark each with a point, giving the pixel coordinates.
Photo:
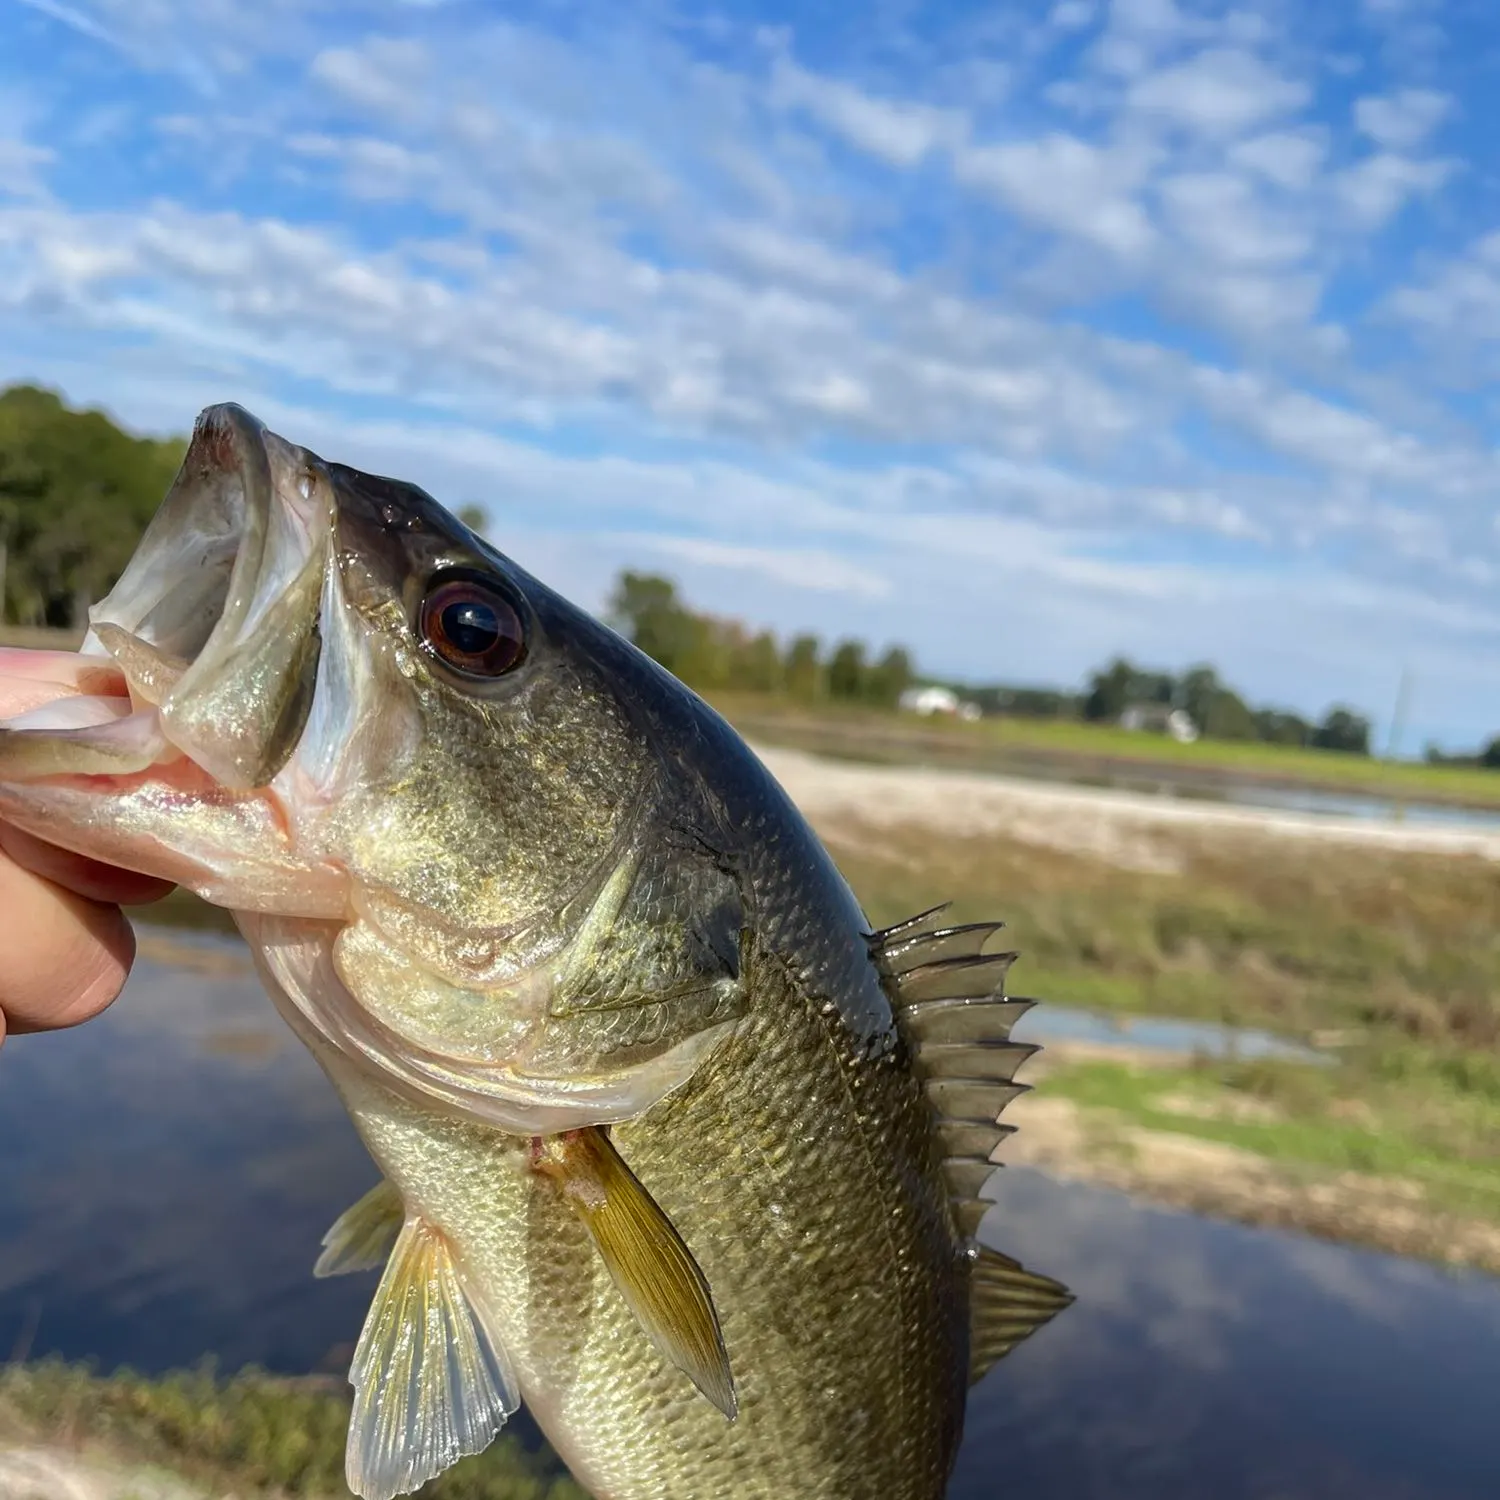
(1096, 1147)
(1090, 820)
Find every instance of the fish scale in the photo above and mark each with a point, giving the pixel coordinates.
(759, 1167)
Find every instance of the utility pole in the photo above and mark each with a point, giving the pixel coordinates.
(1398, 726)
(1398, 715)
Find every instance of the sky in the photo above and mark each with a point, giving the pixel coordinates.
(1019, 334)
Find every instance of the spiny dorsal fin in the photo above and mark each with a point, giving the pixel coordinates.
(431, 1383)
(653, 1268)
(361, 1237)
(951, 1007)
(1007, 1303)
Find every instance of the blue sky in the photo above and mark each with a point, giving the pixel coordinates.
(1020, 334)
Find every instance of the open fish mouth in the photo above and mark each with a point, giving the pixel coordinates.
(212, 629)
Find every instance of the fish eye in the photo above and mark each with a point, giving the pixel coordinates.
(472, 627)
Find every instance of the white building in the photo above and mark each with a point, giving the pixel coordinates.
(1173, 722)
(928, 701)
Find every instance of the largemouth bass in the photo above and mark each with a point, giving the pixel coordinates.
(673, 1146)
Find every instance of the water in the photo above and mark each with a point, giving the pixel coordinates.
(1316, 803)
(1062, 1023)
(170, 1168)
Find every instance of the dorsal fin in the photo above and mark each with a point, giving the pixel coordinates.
(1007, 1303)
(953, 1012)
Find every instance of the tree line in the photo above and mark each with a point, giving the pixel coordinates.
(1217, 710)
(708, 652)
(75, 495)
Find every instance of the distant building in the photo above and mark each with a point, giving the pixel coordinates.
(1160, 718)
(928, 701)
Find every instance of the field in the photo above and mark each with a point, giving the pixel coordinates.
(1100, 752)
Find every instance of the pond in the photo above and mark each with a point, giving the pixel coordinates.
(170, 1169)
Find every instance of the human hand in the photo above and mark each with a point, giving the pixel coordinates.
(65, 945)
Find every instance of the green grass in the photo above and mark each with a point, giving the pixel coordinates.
(1080, 749)
(1347, 1119)
(279, 1436)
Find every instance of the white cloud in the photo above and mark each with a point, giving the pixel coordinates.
(1221, 92)
(1066, 184)
(383, 77)
(1141, 31)
(811, 568)
(897, 132)
(1072, 15)
(1289, 159)
(1460, 301)
(1375, 189)
(1403, 120)
(1220, 215)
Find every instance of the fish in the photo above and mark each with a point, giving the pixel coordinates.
(673, 1145)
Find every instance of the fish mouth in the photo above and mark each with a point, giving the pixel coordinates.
(212, 628)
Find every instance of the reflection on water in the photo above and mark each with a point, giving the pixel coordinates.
(170, 1168)
(1061, 1023)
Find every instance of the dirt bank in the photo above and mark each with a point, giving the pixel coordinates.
(1127, 829)
(1100, 1147)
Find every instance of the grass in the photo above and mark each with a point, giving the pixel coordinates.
(1394, 957)
(1098, 750)
(281, 1437)
(1291, 934)
(1332, 1121)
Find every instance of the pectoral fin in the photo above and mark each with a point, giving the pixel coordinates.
(654, 1270)
(361, 1237)
(430, 1383)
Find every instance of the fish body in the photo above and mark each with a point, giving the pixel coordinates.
(674, 1148)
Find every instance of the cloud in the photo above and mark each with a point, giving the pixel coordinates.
(1070, 328)
(1458, 304)
(897, 132)
(1403, 120)
(1221, 92)
(822, 571)
(1289, 159)
(1375, 189)
(1220, 214)
(1063, 183)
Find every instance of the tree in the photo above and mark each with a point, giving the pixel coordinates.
(645, 608)
(1279, 727)
(474, 517)
(1227, 717)
(1344, 730)
(1197, 691)
(804, 672)
(1109, 692)
(75, 494)
(847, 672)
(1120, 684)
(1489, 756)
(889, 677)
(758, 667)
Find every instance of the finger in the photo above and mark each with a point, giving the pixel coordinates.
(81, 875)
(74, 958)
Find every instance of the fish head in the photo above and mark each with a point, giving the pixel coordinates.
(441, 800)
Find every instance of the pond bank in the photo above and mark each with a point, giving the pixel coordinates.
(1077, 1141)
